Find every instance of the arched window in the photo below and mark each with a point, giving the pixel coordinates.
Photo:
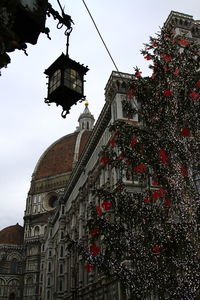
(61, 251)
(29, 281)
(49, 267)
(61, 268)
(61, 286)
(49, 281)
(13, 266)
(36, 230)
(12, 296)
(48, 295)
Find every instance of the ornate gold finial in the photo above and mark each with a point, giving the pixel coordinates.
(86, 103)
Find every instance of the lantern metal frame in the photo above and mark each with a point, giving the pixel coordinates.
(66, 83)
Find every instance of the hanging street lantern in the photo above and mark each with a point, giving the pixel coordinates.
(65, 81)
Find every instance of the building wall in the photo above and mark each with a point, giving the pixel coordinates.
(11, 272)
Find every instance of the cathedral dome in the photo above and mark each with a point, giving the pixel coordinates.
(12, 235)
(62, 155)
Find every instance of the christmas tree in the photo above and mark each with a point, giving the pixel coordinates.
(148, 236)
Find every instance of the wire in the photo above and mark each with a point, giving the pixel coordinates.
(105, 46)
(62, 10)
(101, 36)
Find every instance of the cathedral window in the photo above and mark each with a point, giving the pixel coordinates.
(48, 295)
(49, 267)
(36, 230)
(61, 285)
(13, 266)
(61, 269)
(34, 199)
(12, 296)
(49, 281)
(61, 251)
(53, 201)
(45, 229)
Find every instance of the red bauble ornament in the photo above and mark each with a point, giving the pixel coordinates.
(134, 141)
(106, 205)
(121, 156)
(165, 69)
(183, 42)
(166, 57)
(146, 200)
(154, 44)
(94, 249)
(184, 172)
(163, 156)
(198, 84)
(185, 132)
(158, 194)
(95, 232)
(167, 93)
(147, 57)
(140, 168)
(99, 211)
(153, 75)
(112, 143)
(167, 202)
(156, 249)
(104, 160)
(89, 267)
(194, 95)
(176, 71)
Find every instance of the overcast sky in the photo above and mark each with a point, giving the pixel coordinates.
(27, 125)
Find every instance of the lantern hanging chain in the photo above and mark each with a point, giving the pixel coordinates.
(100, 36)
(69, 27)
(105, 46)
(67, 33)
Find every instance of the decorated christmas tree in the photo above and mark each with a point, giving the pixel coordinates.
(148, 237)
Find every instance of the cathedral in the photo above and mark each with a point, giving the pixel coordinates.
(34, 261)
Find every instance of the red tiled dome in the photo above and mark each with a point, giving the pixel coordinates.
(59, 157)
(12, 235)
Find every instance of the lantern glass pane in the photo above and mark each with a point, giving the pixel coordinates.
(73, 80)
(55, 81)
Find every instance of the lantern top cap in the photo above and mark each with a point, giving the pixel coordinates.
(64, 61)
